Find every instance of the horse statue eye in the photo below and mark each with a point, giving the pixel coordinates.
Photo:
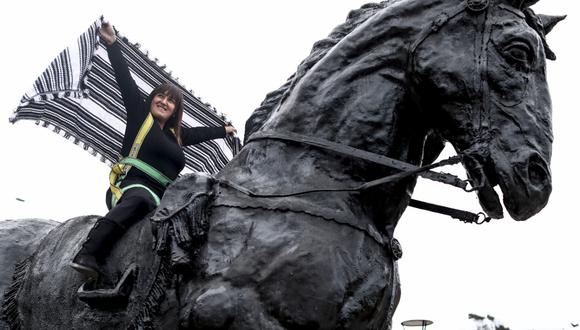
(519, 52)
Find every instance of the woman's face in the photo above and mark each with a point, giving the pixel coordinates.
(162, 107)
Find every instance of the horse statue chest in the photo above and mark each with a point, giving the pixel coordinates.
(338, 209)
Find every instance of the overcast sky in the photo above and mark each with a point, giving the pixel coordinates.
(232, 53)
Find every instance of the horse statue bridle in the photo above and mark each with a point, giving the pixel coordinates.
(407, 170)
(474, 7)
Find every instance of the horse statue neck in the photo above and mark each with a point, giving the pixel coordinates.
(357, 95)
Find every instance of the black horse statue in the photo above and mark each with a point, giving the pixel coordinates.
(296, 232)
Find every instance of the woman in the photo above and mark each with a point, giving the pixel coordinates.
(135, 191)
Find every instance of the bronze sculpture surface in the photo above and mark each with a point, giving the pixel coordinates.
(397, 79)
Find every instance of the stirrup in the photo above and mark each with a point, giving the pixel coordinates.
(86, 264)
(89, 272)
(114, 298)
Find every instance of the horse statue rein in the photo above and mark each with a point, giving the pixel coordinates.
(407, 170)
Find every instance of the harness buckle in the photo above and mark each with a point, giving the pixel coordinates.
(482, 218)
(118, 169)
(439, 22)
(396, 249)
(477, 6)
(473, 186)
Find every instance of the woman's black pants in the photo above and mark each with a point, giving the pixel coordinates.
(135, 204)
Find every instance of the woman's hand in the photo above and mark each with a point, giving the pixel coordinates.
(230, 129)
(107, 33)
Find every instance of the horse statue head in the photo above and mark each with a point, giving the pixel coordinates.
(491, 101)
(294, 239)
(468, 72)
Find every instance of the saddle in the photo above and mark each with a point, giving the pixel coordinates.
(179, 226)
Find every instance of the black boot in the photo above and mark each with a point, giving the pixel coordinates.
(97, 246)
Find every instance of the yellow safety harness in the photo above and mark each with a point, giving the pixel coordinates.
(122, 167)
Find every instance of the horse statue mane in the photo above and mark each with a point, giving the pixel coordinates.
(319, 49)
(297, 231)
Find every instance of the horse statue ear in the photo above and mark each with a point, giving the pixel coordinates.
(548, 21)
(542, 24)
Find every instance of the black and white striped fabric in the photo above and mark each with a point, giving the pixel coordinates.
(77, 97)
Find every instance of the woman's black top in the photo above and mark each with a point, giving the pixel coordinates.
(160, 148)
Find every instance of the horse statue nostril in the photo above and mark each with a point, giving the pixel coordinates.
(537, 172)
(537, 175)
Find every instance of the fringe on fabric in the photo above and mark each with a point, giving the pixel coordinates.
(177, 241)
(155, 296)
(90, 148)
(182, 235)
(10, 301)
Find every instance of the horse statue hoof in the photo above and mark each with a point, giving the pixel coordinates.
(114, 298)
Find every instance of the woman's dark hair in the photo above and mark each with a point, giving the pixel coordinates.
(174, 92)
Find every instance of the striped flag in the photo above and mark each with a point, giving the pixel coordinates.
(78, 98)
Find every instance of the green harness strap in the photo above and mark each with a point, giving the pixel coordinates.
(121, 168)
(156, 198)
(147, 169)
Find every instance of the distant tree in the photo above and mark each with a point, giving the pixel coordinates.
(486, 323)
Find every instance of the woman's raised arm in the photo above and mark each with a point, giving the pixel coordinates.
(132, 98)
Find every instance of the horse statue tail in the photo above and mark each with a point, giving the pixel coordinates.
(355, 18)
